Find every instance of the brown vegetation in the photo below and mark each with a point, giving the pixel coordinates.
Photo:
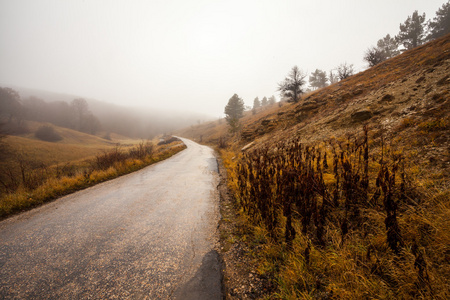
(343, 212)
(32, 186)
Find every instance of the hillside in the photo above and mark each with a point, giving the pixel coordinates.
(73, 145)
(412, 85)
(330, 210)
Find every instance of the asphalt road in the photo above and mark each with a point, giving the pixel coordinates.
(146, 235)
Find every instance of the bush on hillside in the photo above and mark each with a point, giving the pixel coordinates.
(47, 133)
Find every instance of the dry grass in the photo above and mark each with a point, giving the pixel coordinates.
(361, 265)
(409, 104)
(47, 183)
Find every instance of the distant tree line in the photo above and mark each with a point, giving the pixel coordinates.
(14, 111)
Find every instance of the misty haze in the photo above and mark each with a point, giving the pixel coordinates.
(224, 149)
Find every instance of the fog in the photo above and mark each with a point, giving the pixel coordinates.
(191, 56)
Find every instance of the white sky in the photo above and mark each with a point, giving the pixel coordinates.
(188, 55)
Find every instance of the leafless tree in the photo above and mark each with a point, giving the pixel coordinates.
(345, 70)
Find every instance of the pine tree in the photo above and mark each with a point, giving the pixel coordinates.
(292, 86)
(256, 103)
(234, 111)
(412, 33)
(318, 79)
(440, 25)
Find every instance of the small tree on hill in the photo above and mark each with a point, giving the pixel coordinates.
(234, 111)
(386, 48)
(292, 86)
(345, 70)
(389, 46)
(272, 100)
(318, 79)
(264, 101)
(374, 56)
(333, 78)
(412, 33)
(256, 103)
(440, 25)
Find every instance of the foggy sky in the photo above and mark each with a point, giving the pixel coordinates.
(190, 55)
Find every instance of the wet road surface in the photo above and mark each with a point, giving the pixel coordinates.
(146, 235)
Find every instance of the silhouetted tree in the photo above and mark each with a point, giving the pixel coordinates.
(345, 70)
(35, 109)
(333, 78)
(412, 33)
(318, 79)
(234, 111)
(272, 100)
(256, 103)
(389, 46)
(90, 124)
(61, 113)
(440, 25)
(374, 56)
(82, 114)
(11, 111)
(10, 107)
(292, 86)
(264, 101)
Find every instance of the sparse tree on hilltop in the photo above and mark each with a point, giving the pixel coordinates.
(412, 33)
(440, 25)
(374, 56)
(389, 46)
(234, 111)
(345, 70)
(256, 103)
(318, 79)
(333, 78)
(386, 48)
(292, 86)
(264, 101)
(272, 100)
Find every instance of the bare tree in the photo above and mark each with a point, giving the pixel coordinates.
(374, 56)
(291, 87)
(333, 78)
(345, 70)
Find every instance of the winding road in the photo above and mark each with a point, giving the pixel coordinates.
(147, 235)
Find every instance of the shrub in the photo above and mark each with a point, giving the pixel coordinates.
(47, 133)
